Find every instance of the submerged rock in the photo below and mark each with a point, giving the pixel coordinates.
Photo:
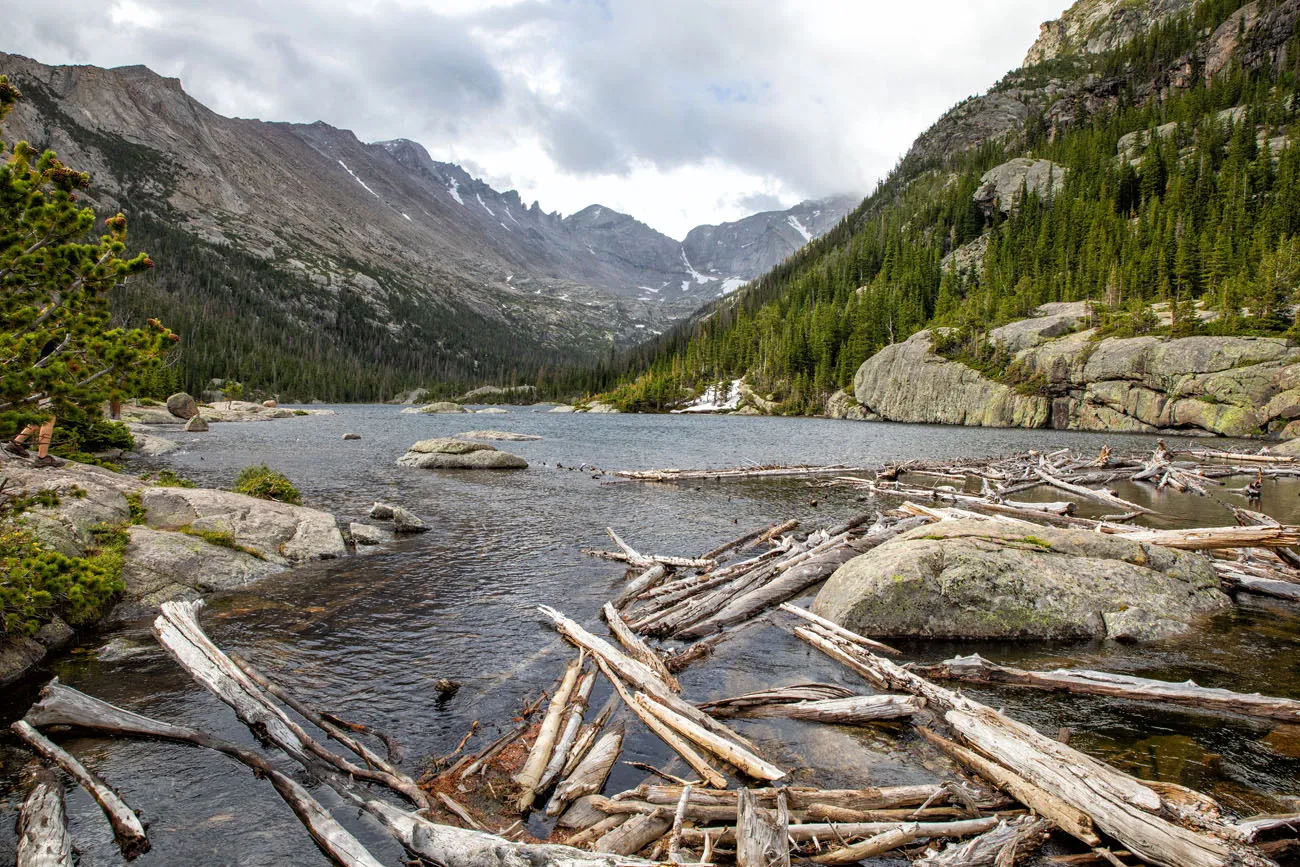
(405, 522)
(981, 580)
(381, 511)
(446, 453)
(368, 534)
(497, 435)
(352, 436)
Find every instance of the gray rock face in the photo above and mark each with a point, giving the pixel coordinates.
(1050, 320)
(982, 580)
(758, 243)
(452, 454)
(182, 405)
(1097, 26)
(406, 522)
(368, 534)
(908, 382)
(843, 405)
(18, 653)
(198, 424)
(442, 406)
(381, 512)
(160, 566)
(280, 533)
(1001, 186)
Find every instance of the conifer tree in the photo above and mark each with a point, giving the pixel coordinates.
(60, 350)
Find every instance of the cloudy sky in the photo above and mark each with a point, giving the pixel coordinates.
(679, 112)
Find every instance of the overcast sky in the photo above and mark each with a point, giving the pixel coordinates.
(679, 112)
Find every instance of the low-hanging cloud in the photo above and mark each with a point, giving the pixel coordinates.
(677, 111)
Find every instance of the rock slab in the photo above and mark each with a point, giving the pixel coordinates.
(982, 580)
(447, 453)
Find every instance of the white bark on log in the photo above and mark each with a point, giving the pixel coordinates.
(1089, 493)
(761, 837)
(43, 839)
(675, 853)
(836, 629)
(1211, 538)
(871, 847)
(635, 557)
(635, 834)
(590, 775)
(637, 648)
(61, 705)
(531, 773)
(1005, 844)
(858, 710)
(127, 829)
(746, 761)
(976, 669)
(638, 675)
(829, 830)
(800, 797)
(640, 584)
(677, 743)
(572, 722)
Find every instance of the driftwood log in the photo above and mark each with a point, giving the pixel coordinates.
(761, 835)
(43, 839)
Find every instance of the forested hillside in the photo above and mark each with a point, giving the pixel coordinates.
(1173, 178)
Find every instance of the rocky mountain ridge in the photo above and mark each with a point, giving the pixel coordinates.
(379, 238)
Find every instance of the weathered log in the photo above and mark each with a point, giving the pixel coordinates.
(43, 839)
(638, 675)
(675, 852)
(635, 834)
(836, 629)
(1251, 828)
(61, 705)
(820, 830)
(539, 756)
(803, 702)
(676, 742)
(976, 669)
(590, 774)
(1117, 804)
(871, 847)
(178, 631)
(761, 836)
(1004, 846)
(643, 582)
(676, 475)
(725, 707)
(459, 811)
(803, 797)
(587, 738)
(1211, 538)
(592, 833)
(1069, 819)
(645, 561)
(637, 648)
(729, 751)
(1259, 586)
(1088, 493)
(127, 829)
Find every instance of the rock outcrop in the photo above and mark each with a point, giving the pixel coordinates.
(984, 580)
(438, 407)
(1224, 386)
(1002, 186)
(843, 405)
(909, 382)
(446, 453)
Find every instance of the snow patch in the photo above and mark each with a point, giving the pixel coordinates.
(408, 217)
(799, 227)
(719, 397)
(511, 216)
(455, 185)
(358, 180)
(503, 225)
(481, 202)
(648, 289)
(686, 285)
(731, 284)
(696, 275)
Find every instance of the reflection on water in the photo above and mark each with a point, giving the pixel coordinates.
(368, 636)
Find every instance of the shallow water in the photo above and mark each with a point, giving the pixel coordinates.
(367, 636)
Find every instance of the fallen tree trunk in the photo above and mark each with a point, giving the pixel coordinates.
(871, 847)
(127, 829)
(643, 582)
(540, 755)
(802, 702)
(1118, 805)
(43, 839)
(590, 774)
(761, 835)
(976, 669)
(569, 733)
(801, 797)
(637, 648)
(822, 830)
(61, 705)
(1004, 846)
(1211, 538)
(1090, 494)
(836, 629)
(728, 751)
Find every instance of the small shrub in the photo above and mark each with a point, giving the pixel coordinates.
(222, 538)
(41, 584)
(301, 412)
(136, 506)
(267, 484)
(148, 401)
(169, 479)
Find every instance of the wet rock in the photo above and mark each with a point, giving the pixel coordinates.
(497, 435)
(446, 453)
(18, 653)
(405, 522)
(150, 445)
(159, 565)
(198, 424)
(182, 405)
(981, 580)
(599, 407)
(352, 436)
(133, 413)
(368, 534)
(564, 407)
(843, 405)
(442, 406)
(118, 649)
(54, 634)
(381, 512)
(279, 532)
(491, 410)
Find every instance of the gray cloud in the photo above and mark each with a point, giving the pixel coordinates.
(802, 97)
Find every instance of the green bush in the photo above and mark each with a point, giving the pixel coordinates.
(265, 483)
(168, 479)
(40, 584)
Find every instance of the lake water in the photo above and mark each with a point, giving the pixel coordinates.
(368, 636)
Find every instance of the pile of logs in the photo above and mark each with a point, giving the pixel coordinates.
(1009, 790)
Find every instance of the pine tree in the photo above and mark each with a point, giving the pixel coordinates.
(60, 350)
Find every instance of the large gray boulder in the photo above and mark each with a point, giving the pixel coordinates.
(497, 435)
(278, 532)
(843, 405)
(440, 407)
(88, 496)
(159, 566)
(446, 453)
(182, 406)
(18, 653)
(908, 382)
(1001, 186)
(1049, 321)
(985, 580)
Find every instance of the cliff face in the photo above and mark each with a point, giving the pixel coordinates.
(1096, 26)
(380, 229)
(1225, 386)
